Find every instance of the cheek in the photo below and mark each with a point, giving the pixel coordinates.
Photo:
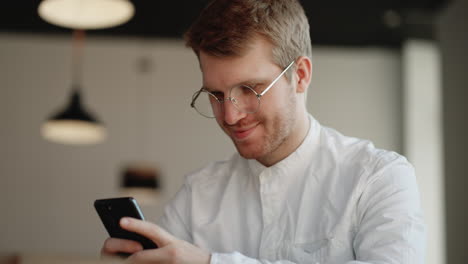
(272, 105)
(278, 107)
(219, 120)
(277, 96)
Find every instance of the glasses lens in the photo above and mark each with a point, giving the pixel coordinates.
(205, 103)
(245, 99)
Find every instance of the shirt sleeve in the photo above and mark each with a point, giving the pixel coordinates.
(176, 215)
(390, 226)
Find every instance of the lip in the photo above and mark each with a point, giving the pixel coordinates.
(242, 134)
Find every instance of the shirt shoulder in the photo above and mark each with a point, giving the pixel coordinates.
(356, 152)
(359, 163)
(213, 172)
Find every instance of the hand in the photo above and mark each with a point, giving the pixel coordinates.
(171, 249)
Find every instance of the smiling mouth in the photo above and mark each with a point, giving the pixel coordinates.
(240, 135)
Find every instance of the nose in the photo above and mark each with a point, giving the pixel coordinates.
(231, 113)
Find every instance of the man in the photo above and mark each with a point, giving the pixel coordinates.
(295, 192)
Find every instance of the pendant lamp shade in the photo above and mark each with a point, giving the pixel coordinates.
(86, 14)
(73, 125)
(141, 182)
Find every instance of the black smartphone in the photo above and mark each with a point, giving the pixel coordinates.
(112, 210)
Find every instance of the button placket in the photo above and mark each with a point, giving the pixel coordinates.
(263, 179)
(269, 215)
(274, 214)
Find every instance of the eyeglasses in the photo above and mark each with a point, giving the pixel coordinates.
(243, 97)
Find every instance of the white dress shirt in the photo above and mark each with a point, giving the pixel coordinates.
(336, 200)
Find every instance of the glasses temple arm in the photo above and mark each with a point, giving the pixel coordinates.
(275, 80)
(192, 104)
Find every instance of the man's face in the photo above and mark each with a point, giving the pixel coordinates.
(267, 132)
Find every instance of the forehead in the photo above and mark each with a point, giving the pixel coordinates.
(223, 72)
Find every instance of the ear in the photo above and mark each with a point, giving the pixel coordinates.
(303, 74)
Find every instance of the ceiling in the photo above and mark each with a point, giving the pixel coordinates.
(333, 22)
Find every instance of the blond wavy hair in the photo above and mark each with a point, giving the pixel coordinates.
(225, 28)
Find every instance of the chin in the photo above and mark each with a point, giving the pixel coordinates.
(249, 151)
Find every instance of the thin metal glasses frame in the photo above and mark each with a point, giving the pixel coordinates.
(233, 99)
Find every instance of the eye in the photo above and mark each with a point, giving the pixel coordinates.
(219, 95)
(255, 86)
(246, 89)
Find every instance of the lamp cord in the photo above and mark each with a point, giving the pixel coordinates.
(77, 46)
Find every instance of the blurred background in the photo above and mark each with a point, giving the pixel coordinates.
(394, 73)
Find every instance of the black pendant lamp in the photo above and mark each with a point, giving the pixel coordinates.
(74, 124)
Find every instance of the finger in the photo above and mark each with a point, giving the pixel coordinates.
(112, 246)
(148, 256)
(149, 230)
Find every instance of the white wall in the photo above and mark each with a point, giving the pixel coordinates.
(47, 190)
(358, 92)
(423, 136)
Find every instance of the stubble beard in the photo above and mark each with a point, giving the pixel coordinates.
(275, 136)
